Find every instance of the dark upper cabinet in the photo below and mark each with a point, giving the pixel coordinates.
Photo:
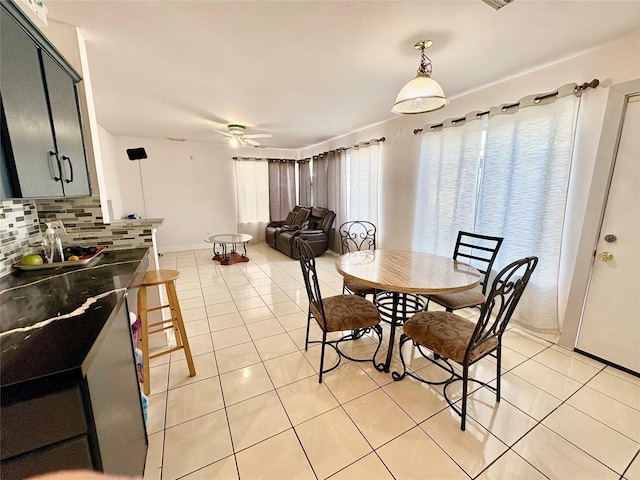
(66, 128)
(43, 148)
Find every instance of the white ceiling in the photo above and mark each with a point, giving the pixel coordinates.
(308, 71)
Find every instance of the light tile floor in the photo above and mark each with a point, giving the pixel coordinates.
(255, 408)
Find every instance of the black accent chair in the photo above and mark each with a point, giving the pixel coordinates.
(479, 251)
(453, 338)
(357, 236)
(336, 314)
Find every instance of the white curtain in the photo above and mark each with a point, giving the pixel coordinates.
(252, 187)
(522, 197)
(337, 197)
(508, 176)
(447, 185)
(363, 163)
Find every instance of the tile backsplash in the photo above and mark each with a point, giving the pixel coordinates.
(18, 227)
(22, 222)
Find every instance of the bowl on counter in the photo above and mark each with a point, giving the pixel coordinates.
(85, 256)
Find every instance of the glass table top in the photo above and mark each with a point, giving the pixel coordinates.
(229, 238)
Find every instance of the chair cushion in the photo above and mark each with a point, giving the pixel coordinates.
(455, 301)
(446, 334)
(358, 288)
(347, 312)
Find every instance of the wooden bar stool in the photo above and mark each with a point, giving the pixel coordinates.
(166, 278)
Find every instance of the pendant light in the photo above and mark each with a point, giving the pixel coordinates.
(422, 94)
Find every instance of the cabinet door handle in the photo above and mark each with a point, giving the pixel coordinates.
(68, 180)
(53, 170)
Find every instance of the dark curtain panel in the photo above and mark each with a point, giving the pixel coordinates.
(320, 185)
(305, 183)
(282, 185)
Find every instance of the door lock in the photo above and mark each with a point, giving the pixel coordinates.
(610, 238)
(606, 256)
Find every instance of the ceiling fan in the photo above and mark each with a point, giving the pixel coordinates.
(239, 138)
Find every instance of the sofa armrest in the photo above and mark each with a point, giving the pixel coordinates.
(317, 240)
(311, 234)
(327, 221)
(290, 236)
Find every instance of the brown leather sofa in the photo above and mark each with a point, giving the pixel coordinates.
(314, 228)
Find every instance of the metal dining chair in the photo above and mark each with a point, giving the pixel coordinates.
(338, 313)
(452, 338)
(479, 251)
(357, 236)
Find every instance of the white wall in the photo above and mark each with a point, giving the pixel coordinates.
(398, 174)
(191, 185)
(401, 150)
(110, 172)
(613, 63)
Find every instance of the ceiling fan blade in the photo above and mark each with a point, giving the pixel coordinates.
(253, 143)
(227, 134)
(258, 135)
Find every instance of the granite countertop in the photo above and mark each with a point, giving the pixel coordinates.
(51, 319)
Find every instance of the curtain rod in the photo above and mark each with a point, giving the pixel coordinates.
(339, 149)
(283, 160)
(577, 91)
(306, 159)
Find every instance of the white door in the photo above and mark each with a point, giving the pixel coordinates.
(610, 327)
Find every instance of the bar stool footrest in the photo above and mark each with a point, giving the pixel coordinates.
(155, 309)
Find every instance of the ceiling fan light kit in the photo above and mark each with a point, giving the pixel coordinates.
(422, 94)
(236, 129)
(238, 137)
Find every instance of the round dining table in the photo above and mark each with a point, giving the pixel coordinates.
(406, 272)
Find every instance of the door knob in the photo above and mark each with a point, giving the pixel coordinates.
(605, 256)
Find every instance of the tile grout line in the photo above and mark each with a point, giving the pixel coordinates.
(562, 402)
(381, 387)
(224, 403)
(275, 390)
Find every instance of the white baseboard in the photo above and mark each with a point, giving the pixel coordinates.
(181, 248)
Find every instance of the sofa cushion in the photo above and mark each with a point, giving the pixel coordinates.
(313, 223)
(302, 215)
(319, 212)
(290, 218)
